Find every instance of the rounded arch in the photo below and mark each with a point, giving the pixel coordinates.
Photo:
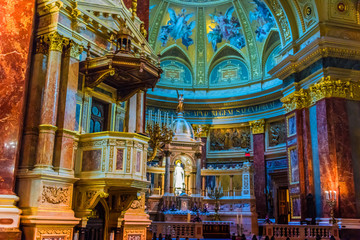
(187, 158)
(272, 41)
(175, 50)
(226, 52)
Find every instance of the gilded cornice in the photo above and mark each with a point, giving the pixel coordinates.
(257, 126)
(327, 87)
(46, 7)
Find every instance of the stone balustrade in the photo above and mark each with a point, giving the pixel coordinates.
(112, 156)
(282, 231)
(178, 229)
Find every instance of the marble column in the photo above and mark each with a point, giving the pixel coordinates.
(15, 44)
(140, 116)
(188, 184)
(49, 105)
(130, 116)
(162, 183)
(64, 144)
(231, 186)
(203, 185)
(167, 172)
(198, 156)
(32, 118)
(335, 160)
(258, 131)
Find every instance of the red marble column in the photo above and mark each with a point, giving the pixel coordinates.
(64, 146)
(49, 105)
(17, 25)
(15, 47)
(259, 174)
(32, 119)
(140, 128)
(336, 170)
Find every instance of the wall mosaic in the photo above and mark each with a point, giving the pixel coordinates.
(229, 139)
(229, 72)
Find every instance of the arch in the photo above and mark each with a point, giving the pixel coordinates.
(272, 41)
(226, 51)
(175, 50)
(100, 200)
(188, 156)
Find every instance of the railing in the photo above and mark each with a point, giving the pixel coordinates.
(282, 232)
(113, 155)
(177, 229)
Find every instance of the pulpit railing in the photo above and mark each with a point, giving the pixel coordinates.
(177, 229)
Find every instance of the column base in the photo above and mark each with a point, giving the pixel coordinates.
(9, 213)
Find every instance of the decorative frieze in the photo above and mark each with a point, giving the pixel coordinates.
(257, 126)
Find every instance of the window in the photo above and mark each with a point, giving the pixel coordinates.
(98, 119)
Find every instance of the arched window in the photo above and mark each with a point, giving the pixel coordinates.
(98, 119)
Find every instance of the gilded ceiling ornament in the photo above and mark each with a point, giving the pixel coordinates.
(282, 19)
(257, 126)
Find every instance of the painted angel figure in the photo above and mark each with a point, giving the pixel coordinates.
(178, 27)
(264, 19)
(180, 107)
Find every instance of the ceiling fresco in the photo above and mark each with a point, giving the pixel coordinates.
(217, 44)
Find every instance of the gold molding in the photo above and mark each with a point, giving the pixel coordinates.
(257, 126)
(327, 87)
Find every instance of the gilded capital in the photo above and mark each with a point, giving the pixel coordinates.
(257, 126)
(296, 100)
(74, 50)
(56, 42)
(41, 46)
(329, 87)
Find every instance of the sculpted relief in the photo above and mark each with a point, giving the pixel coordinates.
(229, 139)
(277, 133)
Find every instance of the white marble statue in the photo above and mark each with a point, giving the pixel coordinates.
(179, 178)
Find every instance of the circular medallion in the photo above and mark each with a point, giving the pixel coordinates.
(341, 7)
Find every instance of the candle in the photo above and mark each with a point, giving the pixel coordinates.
(330, 195)
(241, 220)
(334, 195)
(188, 217)
(327, 195)
(237, 218)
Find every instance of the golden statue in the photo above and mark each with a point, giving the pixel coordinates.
(180, 106)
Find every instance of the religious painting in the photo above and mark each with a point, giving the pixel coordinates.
(228, 72)
(262, 20)
(175, 73)
(119, 159)
(91, 160)
(179, 26)
(225, 27)
(293, 161)
(295, 207)
(291, 125)
(229, 139)
(138, 161)
(277, 133)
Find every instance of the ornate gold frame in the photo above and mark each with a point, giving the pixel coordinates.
(289, 164)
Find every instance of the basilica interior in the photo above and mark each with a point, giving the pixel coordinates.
(180, 119)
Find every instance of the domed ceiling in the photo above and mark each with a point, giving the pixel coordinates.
(215, 49)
